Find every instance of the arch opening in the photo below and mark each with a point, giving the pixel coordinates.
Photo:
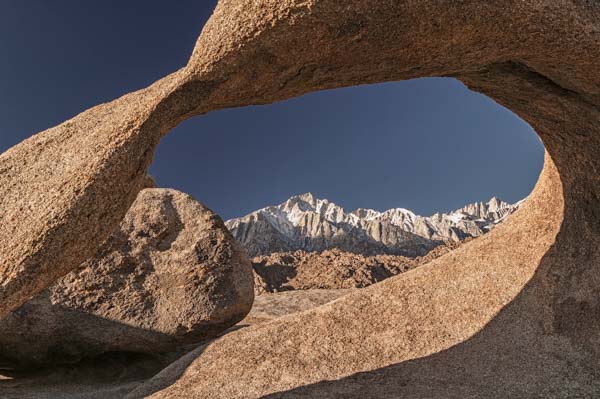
(319, 188)
(429, 145)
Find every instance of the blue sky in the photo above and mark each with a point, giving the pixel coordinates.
(426, 145)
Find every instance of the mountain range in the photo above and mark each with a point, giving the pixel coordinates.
(307, 223)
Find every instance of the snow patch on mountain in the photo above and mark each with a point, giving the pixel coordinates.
(305, 222)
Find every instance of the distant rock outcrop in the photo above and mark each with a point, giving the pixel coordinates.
(331, 269)
(172, 274)
(306, 223)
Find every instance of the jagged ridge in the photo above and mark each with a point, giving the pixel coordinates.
(305, 222)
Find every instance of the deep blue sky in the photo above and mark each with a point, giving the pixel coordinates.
(426, 145)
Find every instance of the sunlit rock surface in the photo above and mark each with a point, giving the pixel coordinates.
(512, 314)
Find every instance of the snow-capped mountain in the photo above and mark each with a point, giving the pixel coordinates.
(312, 224)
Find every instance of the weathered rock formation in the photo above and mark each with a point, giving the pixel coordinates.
(307, 223)
(170, 275)
(72, 181)
(511, 314)
(331, 269)
(516, 309)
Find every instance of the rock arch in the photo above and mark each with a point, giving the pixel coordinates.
(525, 296)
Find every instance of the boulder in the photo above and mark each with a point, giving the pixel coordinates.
(170, 275)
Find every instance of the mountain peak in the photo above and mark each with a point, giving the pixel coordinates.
(494, 204)
(306, 197)
(305, 222)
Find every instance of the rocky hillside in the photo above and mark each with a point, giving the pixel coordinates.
(307, 223)
(331, 269)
